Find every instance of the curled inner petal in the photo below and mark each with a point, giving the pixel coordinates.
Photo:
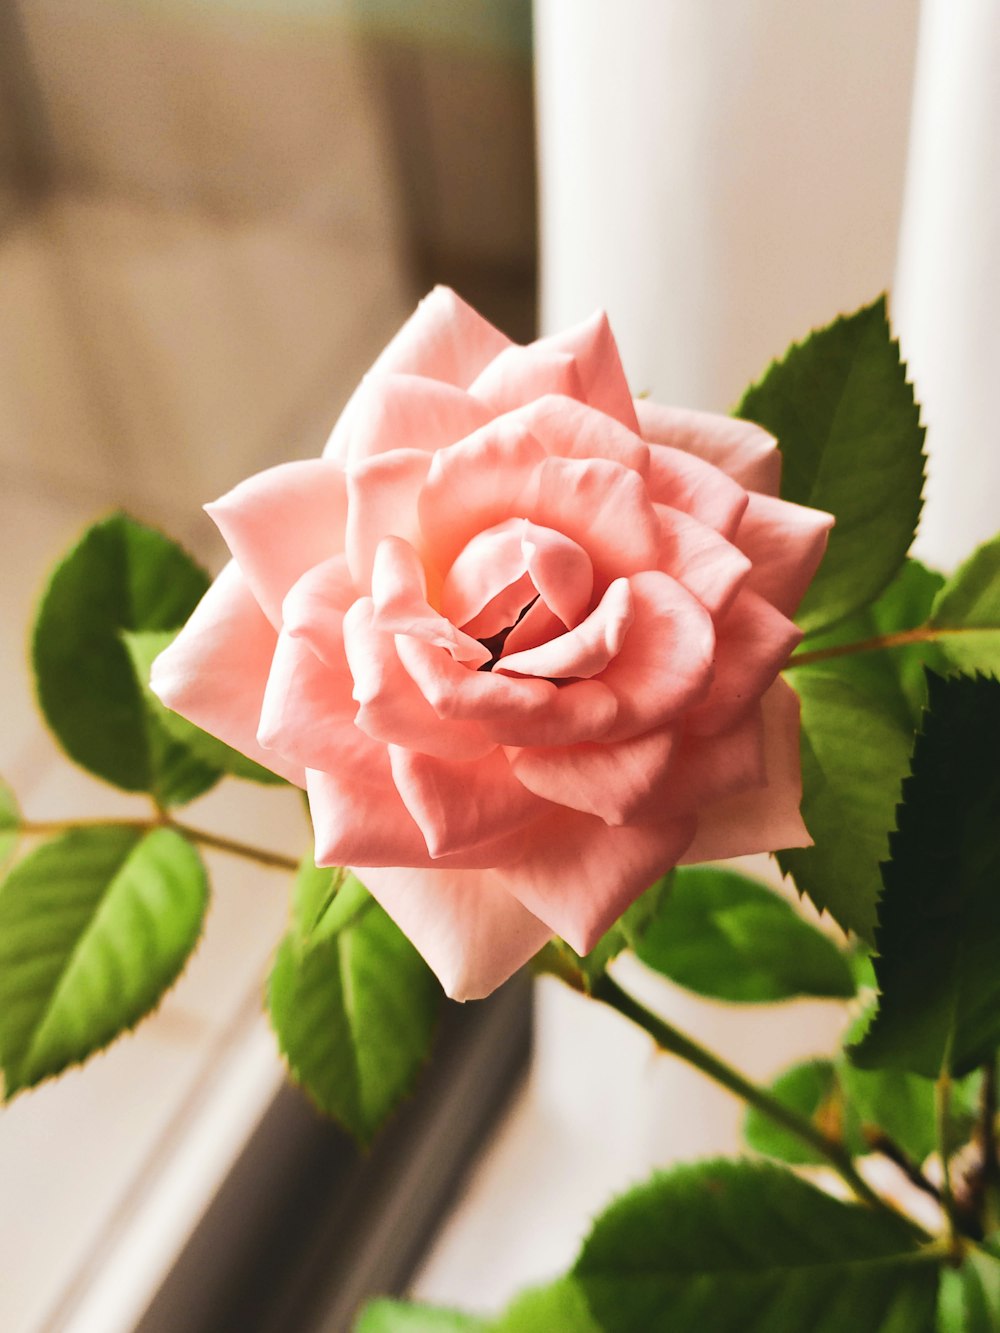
(584, 651)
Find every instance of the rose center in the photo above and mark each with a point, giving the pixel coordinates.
(494, 643)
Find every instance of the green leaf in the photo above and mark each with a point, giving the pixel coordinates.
(624, 934)
(969, 1300)
(559, 1307)
(812, 1090)
(94, 927)
(939, 918)
(732, 938)
(385, 1316)
(120, 576)
(970, 602)
(898, 1104)
(10, 822)
(747, 1247)
(854, 757)
(893, 678)
(352, 1002)
(143, 647)
(851, 440)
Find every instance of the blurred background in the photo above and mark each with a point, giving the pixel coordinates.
(213, 214)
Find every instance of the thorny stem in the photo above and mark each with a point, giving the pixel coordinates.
(670, 1039)
(897, 639)
(880, 1142)
(942, 1115)
(261, 855)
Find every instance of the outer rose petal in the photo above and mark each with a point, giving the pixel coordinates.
(358, 817)
(710, 768)
(753, 643)
(215, 671)
(596, 353)
(568, 429)
(684, 481)
(306, 502)
(786, 542)
(307, 714)
(382, 501)
(616, 782)
(579, 875)
(314, 608)
(510, 710)
(458, 806)
(745, 451)
(521, 374)
(764, 818)
(471, 931)
(711, 568)
(410, 412)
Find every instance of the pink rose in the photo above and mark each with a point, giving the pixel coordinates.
(517, 635)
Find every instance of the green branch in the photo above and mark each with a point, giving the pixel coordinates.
(897, 639)
(670, 1039)
(261, 855)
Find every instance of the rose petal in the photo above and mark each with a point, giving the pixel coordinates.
(444, 339)
(399, 595)
(537, 625)
(490, 566)
(596, 354)
(359, 818)
(305, 503)
(458, 806)
(767, 817)
(314, 608)
(753, 643)
(307, 714)
(786, 542)
(504, 567)
(745, 451)
(710, 768)
(561, 570)
(568, 429)
(665, 662)
(711, 568)
(215, 671)
(584, 651)
(470, 930)
(601, 506)
(382, 501)
(477, 484)
(683, 481)
(615, 781)
(519, 375)
(582, 875)
(395, 411)
(511, 710)
(391, 707)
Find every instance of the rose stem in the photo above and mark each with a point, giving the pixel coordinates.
(942, 1117)
(898, 639)
(261, 855)
(669, 1039)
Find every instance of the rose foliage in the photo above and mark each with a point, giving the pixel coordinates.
(517, 634)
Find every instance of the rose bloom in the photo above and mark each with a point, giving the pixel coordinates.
(517, 635)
